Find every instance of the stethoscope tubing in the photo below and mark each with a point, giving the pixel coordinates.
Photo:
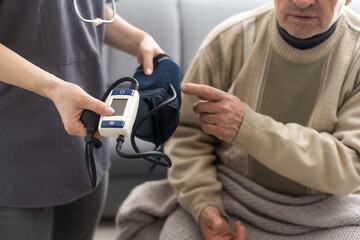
(95, 21)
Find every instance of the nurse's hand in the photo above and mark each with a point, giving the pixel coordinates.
(148, 50)
(70, 101)
(122, 35)
(220, 113)
(216, 227)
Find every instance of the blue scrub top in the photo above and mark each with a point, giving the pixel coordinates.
(40, 164)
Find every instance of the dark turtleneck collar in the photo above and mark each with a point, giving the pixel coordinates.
(307, 43)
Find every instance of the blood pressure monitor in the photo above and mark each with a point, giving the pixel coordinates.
(125, 102)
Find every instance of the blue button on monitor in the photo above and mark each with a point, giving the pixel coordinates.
(128, 92)
(112, 124)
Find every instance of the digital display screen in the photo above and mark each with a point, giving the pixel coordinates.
(119, 106)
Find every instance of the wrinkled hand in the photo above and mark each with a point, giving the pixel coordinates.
(216, 227)
(70, 101)
(148, 50)
(220, 113)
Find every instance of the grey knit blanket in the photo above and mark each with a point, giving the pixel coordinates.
(151, 212)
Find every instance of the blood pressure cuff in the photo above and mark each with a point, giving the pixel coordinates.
(154, 90)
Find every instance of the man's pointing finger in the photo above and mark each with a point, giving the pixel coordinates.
(203, 92)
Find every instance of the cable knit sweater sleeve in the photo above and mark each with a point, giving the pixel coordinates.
(193, 175)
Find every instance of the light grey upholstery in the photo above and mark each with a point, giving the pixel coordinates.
(199, 17)
(157, 17)
(355, 5)
(179, 26)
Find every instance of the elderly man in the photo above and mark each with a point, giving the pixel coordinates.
(268, 134)
(276, 97)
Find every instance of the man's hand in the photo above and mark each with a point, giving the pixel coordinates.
(215, 227)
(221, 113)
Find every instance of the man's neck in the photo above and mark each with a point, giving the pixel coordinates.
(307, 43)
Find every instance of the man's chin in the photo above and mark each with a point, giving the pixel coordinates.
(302, 34)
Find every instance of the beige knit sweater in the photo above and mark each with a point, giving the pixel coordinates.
(301, 130)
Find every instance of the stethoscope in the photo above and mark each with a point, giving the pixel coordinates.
(96, 21)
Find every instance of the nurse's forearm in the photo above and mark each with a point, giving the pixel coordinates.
(122, 35)
(69, 99)
(16, 70)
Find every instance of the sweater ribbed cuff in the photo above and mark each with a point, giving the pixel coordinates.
(217, 203)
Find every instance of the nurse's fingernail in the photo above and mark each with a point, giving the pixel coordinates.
(148, 71)
(109, 110)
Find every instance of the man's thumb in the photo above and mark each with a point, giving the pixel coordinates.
(214, 220)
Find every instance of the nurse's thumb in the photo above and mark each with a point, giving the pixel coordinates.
(148, 65)
(101, 108)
